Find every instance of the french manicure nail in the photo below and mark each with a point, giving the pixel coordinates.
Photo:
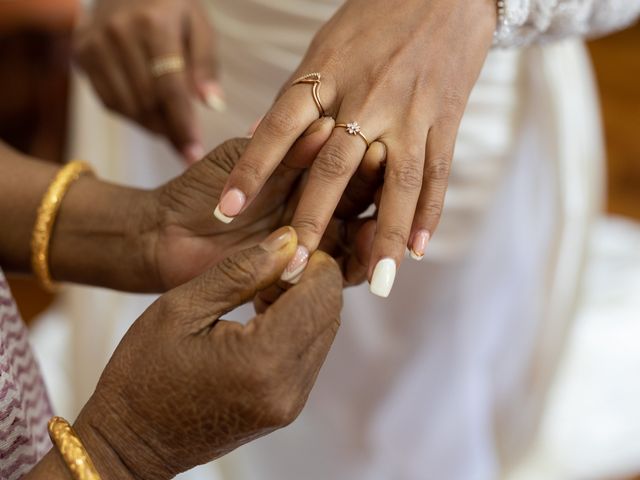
(383, 277)
(193, 152)
(214, 97)
(419, 245)
(230, 205)
(278, 239)
(296, 266)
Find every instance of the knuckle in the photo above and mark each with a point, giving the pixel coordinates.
(237, 270)
(310, 224)
(433, 209)
(280, 122)
(279, 411)
(149, 20)
(116, 30)
(406, 174)
(332, 163)
(438, 167)
(395, 234)
(249, 172)
(275, 404)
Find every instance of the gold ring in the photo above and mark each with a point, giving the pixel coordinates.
(353, 128)
(314, 79)
(166, 65)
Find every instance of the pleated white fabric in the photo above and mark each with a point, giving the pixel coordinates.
(445, 379)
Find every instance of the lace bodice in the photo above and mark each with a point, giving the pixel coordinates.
(528, 21)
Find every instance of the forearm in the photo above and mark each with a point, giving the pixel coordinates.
(97, 237)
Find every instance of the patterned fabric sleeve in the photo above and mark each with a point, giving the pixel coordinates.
(528, 21)
(24, 405)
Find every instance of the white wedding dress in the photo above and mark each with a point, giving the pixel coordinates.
(445, 379)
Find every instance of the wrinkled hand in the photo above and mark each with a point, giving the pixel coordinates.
(184, 239)
(185, 387)
(404, 70)
(117, 46)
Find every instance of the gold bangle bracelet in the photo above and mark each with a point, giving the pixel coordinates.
(72, 451)
(45, 220)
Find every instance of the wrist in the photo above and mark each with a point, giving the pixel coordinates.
(101, 237)
(117, 448)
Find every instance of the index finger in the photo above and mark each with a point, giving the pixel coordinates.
(276, 134)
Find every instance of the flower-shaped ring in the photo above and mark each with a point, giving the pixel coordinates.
(353, 128)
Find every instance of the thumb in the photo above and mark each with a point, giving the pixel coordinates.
(237, 278)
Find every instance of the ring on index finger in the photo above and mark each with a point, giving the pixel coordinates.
(314, 79)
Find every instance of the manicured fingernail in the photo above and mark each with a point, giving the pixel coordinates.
(278, 239)
(383, 277)
(230, 205)
(193, 152)
(214, 97)
(296, 266)
(419, 245)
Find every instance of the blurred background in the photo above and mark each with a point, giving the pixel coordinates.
(591, 428)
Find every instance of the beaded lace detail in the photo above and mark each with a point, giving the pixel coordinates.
(524, 22)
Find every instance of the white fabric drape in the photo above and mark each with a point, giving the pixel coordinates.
(446, 378)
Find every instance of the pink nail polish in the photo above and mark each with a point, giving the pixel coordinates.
(230, 205)
(296, 266)
(193, 153)
(420, 242)
(214, 97)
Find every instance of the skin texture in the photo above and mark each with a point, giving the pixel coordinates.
(115, 46)
(404, 70)
(185, 387)
(150, 241)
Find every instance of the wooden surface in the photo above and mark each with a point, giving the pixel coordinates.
(616, 61)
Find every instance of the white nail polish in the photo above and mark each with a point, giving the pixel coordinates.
(383, 277)
(296, 266)
(221, 216)
(416, 256)
(216, 103)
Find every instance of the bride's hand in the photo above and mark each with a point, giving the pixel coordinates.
(148, 60)
(402, 69)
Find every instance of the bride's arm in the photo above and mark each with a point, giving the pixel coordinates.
(527, 21)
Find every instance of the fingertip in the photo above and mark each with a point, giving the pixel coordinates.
(213, 96)
(193, 153)
(282, 239)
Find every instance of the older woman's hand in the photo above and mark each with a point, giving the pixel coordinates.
(402, 69)
(148, 60)
(185, 387)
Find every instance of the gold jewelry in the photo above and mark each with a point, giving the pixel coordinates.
(47, 212)
(314, 79)
(166, 65)
(353, 128)
(72, 451)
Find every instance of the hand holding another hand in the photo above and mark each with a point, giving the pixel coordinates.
(185, 386)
